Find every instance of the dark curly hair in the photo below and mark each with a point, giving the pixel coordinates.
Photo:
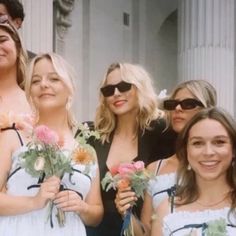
(14, 8)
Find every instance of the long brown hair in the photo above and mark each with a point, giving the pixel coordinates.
(187, 189)
(22, 58)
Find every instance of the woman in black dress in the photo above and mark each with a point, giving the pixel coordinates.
(131, 128)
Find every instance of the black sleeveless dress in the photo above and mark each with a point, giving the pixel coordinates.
(153, 145)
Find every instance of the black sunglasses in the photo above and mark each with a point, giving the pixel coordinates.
(186, 104)
(109, 90)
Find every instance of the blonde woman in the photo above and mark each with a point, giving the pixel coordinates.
(130, 124)
(23, 207)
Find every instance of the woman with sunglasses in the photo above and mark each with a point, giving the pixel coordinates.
(186, 100)
(205, 199)
(12, 70)
(129, 123)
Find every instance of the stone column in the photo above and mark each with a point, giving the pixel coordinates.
(37, 28)
(206, 45)
(62, 11)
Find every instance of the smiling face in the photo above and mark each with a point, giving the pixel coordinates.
(180, 117)
(121, 103)
(8, 52)
(209, 149)
(48, 90)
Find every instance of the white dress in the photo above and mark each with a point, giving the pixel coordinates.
(35, 223)
(174, 222)
(158, 184)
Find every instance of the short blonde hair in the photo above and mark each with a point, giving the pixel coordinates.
(105, 120)
(63, 69)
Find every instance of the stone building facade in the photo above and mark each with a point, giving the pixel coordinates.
(174, 40)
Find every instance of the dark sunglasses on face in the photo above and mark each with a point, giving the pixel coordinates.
(186, 104)
(109, 90)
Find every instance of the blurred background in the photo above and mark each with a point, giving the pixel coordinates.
(175, 40)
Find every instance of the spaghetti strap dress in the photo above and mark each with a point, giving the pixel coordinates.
(197, 223)
(39, 222)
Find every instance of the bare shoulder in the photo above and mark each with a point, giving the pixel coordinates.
(9, 140)
(168, 165)
(152, 166)
(158, 165)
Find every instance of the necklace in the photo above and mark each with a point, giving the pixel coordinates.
(213, 204)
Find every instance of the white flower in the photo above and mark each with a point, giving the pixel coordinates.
(86, 126)
(39, 164)
(162, 94)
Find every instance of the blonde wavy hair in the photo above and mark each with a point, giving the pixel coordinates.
(65, 72)
(22, 58)
(105, 119)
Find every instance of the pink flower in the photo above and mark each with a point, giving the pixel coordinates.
(46, 135)
(114, 170)
(139, 165)
(126, 168)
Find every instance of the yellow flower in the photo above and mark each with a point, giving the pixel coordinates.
(82, 156)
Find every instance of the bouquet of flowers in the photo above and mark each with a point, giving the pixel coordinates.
(45, 158)
(132, 175)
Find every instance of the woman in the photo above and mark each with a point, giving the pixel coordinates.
(12, 70)
(129, 122)
(205, 195)
(23, 206)
(186, 100)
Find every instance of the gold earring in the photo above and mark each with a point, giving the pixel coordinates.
(189, 167)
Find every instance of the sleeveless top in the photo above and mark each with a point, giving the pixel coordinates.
(153, 144)
(162, 186)
(39, 222)
(198, 222)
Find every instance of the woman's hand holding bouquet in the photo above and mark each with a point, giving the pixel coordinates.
(131, 180)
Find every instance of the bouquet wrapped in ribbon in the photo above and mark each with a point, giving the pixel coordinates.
(132, 175)
(44, 158)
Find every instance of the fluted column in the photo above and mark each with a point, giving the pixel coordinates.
(206, 45)
(37, 28)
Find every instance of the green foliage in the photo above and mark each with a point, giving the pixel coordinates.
(54, 161)
(85, 133)
(138, 181)
(216, 228)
